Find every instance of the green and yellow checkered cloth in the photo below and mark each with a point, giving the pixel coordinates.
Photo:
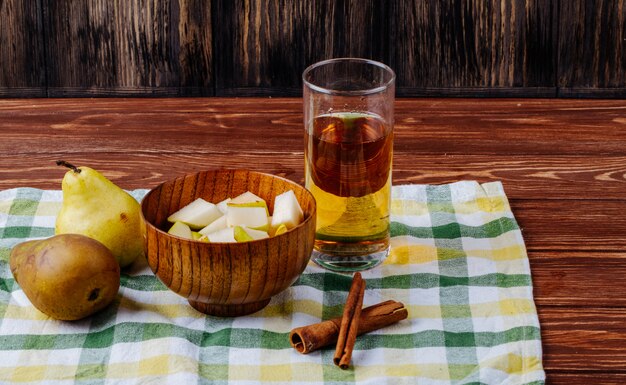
(458, 263)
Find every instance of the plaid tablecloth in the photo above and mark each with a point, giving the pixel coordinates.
(458, 263)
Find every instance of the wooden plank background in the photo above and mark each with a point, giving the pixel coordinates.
(530, 48)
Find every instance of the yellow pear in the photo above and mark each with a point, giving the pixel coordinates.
(94, 206)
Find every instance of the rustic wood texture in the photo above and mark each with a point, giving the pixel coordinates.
(453, 45)
(226, 279)
(592, 55)
(267, 45)
(22, 65)
(585, 340)
(152, 47)
(508, 48)
(562, 162)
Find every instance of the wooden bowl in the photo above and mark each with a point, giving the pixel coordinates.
(226, 279)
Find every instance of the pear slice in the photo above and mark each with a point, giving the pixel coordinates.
(255, 234)
(251, 204)
(223, 205)
(218, 224)
(287, 210)
(252, 217)
(265, 227)
(281, 229)
(196, 214)
(223, 235)
(180, 229)
(195, 235)
(245, 234)
(246, 197)
(203, 238)
(241, 235)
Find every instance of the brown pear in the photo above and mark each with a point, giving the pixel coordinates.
(67, 276)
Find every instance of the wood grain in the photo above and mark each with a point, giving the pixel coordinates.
(593, 336)
(559, 275)
(516, 48)
(450, 45)
(591, 377)
(577, 225)
(592, 56)
(22, 69)
(530, 177)
(562, 163)
(440, 127)
(439, 48)
(128, 48)
(266, 45)
(195, 37)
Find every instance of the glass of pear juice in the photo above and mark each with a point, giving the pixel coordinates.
(348, 120)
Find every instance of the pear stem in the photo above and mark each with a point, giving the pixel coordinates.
(68, 165)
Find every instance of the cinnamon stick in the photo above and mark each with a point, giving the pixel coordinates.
(306, 339)
(349, 322)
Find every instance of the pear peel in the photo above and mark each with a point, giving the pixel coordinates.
(67, 276)
(97, 208)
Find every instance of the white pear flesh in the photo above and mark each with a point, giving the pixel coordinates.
(241, 235)
(252, 217)
(223, 205)
(246, 197)
(255, 234)
(223, 235)
(180, 229)
(218, 224)
(287, 210)
(197, 214)
(251, 204)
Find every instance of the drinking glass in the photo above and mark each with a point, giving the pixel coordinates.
(348, 120)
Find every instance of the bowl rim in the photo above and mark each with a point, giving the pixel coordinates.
(226, 170)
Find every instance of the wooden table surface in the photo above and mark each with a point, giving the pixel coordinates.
(562, 163)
